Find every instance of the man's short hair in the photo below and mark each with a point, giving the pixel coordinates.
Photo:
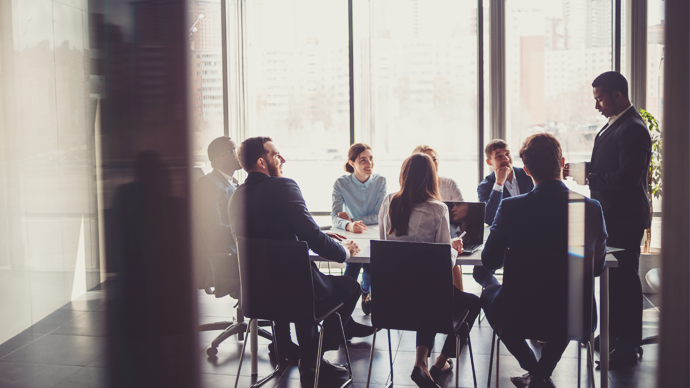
(611, 81)
(251, 150)
(217, 147)
(494, 145)
(541, 153)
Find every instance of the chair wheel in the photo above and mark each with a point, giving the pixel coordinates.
(211, 351)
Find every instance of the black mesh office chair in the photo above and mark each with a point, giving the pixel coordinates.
(536, 289)
(405, 274)
(277, 285)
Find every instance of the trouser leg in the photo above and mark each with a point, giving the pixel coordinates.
(550, 355)
(352, 270)
(483, 276)
(516, 346)
(461, 301)
(347, 292)
(282, 333)
(366, 278)
(625, 289)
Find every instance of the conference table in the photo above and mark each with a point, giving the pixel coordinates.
(372, 233)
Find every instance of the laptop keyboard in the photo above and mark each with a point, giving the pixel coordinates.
(471, 248)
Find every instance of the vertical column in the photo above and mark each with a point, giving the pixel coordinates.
(616, 16)
(351, 57)
(638, 53)
(672, 369)
(480, 88)
(498, 69)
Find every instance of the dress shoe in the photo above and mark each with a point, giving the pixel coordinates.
(622, 359)
(422, 379)
(327, 368)
(438, 372)
(354, 329)
(366, 303)
(522, 381)
(539, 382)
(612, 344)
(290, 351)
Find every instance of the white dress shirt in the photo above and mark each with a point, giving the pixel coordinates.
(613, 119)
(512, 186)
(449, 190)
(230, 179)
(429, 223)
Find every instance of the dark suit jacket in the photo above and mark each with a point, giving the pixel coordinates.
(492, 198)
(538, 220)
(273, 208)
(619, 170)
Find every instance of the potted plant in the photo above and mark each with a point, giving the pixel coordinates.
(651, 257)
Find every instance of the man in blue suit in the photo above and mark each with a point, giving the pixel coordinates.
(269, 206)
(538, 220)
(504, 181)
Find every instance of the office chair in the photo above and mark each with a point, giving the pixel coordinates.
(225, 275)
(277, 285)
(653, 278)
(535, 288)
(400, 271)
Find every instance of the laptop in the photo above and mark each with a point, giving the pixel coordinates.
(467, 217)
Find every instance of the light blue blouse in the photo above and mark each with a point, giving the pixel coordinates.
(361, 201)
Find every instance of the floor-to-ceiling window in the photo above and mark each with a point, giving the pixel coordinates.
(554, 50)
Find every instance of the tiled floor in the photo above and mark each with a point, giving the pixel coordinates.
(66, 350)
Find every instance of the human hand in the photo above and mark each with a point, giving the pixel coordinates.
(352, 247)
(357, 227)
(336, 236)
(344, 216)
(579, 173)
(456, 243)
(502, 174)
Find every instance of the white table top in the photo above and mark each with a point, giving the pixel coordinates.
(372, 233)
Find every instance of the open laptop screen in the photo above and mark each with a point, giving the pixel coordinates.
(467, 217)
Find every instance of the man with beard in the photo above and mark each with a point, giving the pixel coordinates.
(269, 206)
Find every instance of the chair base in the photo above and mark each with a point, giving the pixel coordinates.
(229, 329)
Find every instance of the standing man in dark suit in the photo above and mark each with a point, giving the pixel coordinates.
(504, 181)
(538, 220)
(617, 177)
(269, 206)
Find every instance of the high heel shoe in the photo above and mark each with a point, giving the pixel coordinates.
(422, 379)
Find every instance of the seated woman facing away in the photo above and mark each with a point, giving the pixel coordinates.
(416, 214)
(448, 189)
(357, 198)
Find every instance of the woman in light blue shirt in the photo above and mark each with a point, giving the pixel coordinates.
(357, 198)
